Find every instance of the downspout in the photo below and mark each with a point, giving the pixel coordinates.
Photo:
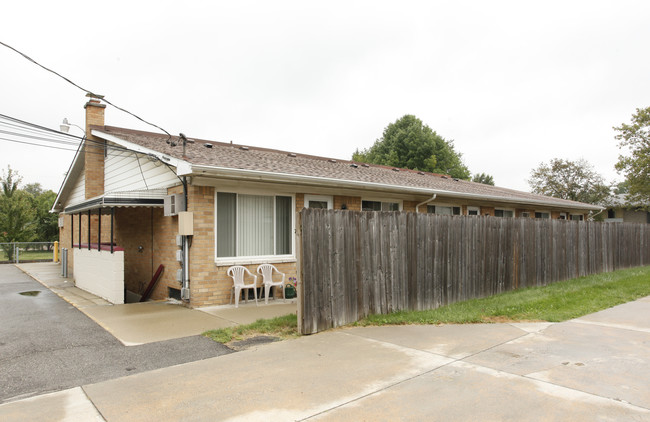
(185, 291)
(592, 217)
(425, 202)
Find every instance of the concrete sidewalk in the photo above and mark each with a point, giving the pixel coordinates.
(591, 369)
(148, 322)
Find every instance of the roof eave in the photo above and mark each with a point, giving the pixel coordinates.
(64, 189)
(265, 176)
(182, 166)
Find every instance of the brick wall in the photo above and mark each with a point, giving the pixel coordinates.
(352, 203)
(93, 152)
(204, 287)
(409, 206)
(300, 201)
(164, 250)
(519, 212)
(209, 283)
(487, 211)
(134, 229)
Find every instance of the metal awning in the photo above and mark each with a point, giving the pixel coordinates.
(144, 198)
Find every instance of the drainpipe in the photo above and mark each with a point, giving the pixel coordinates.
(425, 202)
(185, 290)
(592, 217)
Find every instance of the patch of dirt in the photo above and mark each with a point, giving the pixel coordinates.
(239, 345)
(506, 320)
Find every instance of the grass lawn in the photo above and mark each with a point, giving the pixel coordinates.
(283, 327)
(558, 302)
(554, 303)
(30, 255)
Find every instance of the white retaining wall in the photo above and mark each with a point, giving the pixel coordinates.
(100, 273)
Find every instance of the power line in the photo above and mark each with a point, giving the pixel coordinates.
(37, 129)
(38, 145)
(83, 89)
(101, 147)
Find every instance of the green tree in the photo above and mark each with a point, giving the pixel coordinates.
(408, 143)
(574, 180)
(484, 178)
(46, 223)
(635, 165)
(16, 213)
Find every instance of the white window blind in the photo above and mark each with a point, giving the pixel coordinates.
(253, 225)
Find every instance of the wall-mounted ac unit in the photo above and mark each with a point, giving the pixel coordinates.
(174, 204)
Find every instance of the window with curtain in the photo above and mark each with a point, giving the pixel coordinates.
(443, 210)
(253, 225)
(504, 213)
(379, 206)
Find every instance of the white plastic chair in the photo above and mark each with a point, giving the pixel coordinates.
(238, 273)
(267, 276)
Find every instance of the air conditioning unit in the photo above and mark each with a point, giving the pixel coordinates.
(173, 204)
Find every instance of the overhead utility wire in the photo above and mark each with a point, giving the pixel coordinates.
(59, 147)
(33, 127)
(38, 129)
(83, 89)
(41, 145)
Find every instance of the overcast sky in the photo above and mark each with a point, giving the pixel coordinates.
(513, 84)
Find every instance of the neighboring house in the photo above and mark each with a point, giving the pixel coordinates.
(620, 211)
(242, 204)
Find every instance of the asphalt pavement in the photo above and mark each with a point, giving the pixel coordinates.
(594, 368)
(48, 345)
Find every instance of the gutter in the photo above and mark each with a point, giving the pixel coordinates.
(266, 176)
(425, 202)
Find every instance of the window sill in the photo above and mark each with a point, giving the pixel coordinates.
(252, 260)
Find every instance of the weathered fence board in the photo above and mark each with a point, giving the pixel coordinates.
(357, 263)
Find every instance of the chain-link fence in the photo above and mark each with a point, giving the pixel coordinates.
(16, 252)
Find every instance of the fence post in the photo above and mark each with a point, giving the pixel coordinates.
(56, 251)
(299, 272)
(16, 252)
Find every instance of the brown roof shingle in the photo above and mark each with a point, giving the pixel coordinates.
(234, 156)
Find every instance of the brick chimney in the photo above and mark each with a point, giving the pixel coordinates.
(94, 153)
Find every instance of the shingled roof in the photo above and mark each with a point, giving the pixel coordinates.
(213, 154)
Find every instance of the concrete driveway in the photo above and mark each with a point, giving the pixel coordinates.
(141, 323)
(48, 345)
(591, 369)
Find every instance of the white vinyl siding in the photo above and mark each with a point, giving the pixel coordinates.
(78, 193)
(127, 171)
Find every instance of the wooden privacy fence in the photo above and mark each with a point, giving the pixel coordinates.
(356, 263)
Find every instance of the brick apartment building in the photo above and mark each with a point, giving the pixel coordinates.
(241, 205)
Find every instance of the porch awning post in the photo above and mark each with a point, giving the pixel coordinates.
(99, 230)
(79, 230)
(112, 219)
(71, 231)
(88, 229)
